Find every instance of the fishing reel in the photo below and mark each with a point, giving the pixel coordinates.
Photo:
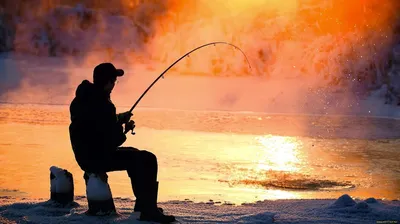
(131, 126)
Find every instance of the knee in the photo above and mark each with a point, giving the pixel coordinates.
(128, 149)
(149, 157)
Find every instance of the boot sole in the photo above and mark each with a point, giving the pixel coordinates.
(154, 222)
(160, 209)
(148, 219)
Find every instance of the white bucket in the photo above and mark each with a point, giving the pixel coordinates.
(98, 192)
(61, 185)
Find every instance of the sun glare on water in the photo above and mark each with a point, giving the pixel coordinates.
(279, 153)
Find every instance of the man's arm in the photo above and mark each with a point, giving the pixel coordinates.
(113, 127)
(118, 134)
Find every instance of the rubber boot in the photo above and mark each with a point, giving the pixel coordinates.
(150, 211)
(139, 204)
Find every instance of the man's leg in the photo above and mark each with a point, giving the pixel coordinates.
(140, 165)
(143, 171)
(142, 168)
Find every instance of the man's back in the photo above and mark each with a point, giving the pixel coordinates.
(94, 131)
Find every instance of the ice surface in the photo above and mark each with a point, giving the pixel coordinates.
(280, 211)
(97, 189)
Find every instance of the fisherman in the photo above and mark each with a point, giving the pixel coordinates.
(97, 133)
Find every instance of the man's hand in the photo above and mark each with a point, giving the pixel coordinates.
(124, 118)
(129, 126)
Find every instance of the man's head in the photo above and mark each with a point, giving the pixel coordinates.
(105, 75)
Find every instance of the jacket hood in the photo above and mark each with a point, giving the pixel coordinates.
(84, 89)
(87, 90)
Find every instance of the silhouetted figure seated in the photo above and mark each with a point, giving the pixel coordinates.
(96, 134)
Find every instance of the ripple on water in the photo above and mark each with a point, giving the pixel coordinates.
(296, 181)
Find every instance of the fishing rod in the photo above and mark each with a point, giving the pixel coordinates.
(187, 54)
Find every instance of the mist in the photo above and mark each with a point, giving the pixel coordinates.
(306, 56)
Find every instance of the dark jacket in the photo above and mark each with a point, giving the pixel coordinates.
(94, 130)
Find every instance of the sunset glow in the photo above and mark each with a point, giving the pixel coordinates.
(318, 44)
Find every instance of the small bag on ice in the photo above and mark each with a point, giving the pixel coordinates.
(61, 185)
(98, 193)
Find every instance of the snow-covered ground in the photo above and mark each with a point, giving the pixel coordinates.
(343, 210)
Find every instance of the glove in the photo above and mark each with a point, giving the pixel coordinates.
(123, 118)
(129, 126)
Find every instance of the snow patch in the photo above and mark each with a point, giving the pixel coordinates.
(362, 205)
(371, 200)
(344, 201)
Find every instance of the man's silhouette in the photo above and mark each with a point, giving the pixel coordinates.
(96, 134)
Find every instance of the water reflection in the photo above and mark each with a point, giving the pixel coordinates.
(201, 165)
(279, 153)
